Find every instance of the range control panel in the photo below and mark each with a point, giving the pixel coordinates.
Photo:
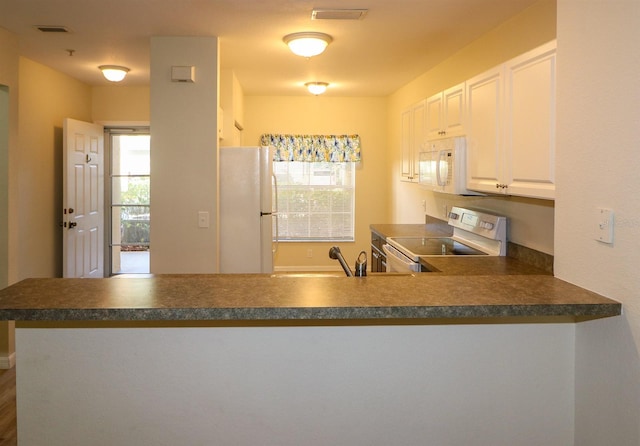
(486, 225)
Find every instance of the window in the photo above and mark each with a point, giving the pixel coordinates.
(315, 201)
(128, 194)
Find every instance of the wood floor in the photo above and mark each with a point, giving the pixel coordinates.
(8, 434)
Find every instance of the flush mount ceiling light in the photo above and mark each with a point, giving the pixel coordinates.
(316, 87)
(307, 44)
(113, 73)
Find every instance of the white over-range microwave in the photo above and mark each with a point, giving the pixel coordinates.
(442, 166)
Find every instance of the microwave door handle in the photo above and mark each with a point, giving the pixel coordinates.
(438, 164)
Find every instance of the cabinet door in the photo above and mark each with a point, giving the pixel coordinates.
(453, 113)
(378, 258)
(413, 137)
(445, 113)
(530, 123)
(434, 116)
(406, 166)
(484, 132)
(419, 137)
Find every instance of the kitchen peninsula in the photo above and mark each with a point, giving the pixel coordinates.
(259, 359)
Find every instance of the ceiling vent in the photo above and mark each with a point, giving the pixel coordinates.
(338, 14)
(52, 29)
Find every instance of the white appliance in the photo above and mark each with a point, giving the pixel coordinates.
(442, 166)
(475, 234)
(248, 194)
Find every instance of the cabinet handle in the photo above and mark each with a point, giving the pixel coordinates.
(501, 186)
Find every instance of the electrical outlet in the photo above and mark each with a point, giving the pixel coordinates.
(309, 253)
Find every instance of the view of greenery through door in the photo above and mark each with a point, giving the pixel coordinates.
(130, 178)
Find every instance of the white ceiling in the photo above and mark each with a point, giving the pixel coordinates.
(396, 41)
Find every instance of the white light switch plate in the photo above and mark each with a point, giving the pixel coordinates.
(203, 219)
(604, 225)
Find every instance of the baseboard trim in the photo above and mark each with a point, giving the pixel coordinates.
(8, 362)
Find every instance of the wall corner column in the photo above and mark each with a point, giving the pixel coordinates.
(184, 155)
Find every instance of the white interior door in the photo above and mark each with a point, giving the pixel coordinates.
(83, 199)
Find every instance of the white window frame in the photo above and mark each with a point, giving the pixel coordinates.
(338, 178)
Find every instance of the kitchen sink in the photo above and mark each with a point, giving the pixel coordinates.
(333, 274)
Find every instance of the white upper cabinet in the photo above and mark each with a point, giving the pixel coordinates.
(445, 113)
(530, 137)
(485, 160)
(511, 126)
(413, 136)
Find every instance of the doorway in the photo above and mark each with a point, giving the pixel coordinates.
(128, 191)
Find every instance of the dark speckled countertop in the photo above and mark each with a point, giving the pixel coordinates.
(423, 298)
(460, 290)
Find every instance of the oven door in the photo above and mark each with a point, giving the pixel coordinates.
(398, 262)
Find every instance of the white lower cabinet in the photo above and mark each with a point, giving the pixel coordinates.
(511, 126)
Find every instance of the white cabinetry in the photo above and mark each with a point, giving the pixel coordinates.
(413, 136)
(530, 123)
(445, 113)
(484, 131)
(511, 126)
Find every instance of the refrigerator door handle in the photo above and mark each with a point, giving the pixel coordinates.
(274, 213)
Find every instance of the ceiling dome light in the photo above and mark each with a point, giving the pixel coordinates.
(307, 44)
(113, 73)
(316, 87)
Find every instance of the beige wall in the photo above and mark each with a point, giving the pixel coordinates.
(326, 115)
(30, 170)
(531, 220)
(46, 98)
(184, 156)
(597, 165)
(120, 104)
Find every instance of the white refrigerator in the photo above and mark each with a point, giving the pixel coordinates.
(247, 199)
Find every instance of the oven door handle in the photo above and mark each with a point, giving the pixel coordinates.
(398, 262)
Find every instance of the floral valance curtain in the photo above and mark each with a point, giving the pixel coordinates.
(314, 148)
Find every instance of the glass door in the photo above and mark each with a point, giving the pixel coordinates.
(129, 189)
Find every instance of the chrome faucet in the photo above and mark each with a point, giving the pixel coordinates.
(361, 262)
(334, 253)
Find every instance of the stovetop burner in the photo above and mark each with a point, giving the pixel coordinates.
(436, 246)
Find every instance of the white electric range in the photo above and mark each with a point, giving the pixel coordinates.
(475, 234)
